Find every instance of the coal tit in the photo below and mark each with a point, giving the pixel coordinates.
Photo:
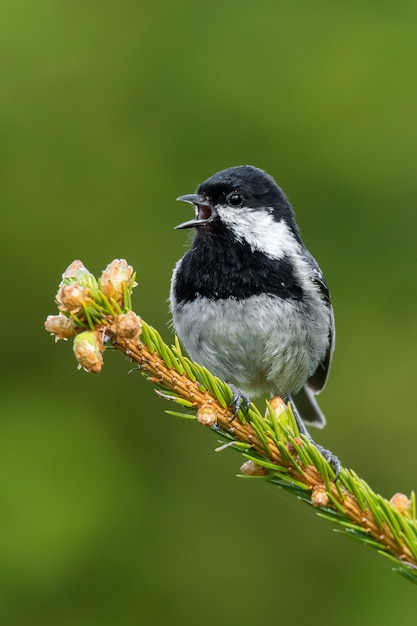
(248, 300)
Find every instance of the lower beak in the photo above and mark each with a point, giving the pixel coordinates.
(204, 212)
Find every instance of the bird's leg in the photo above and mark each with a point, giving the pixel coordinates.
(331, 458)
(238, 400)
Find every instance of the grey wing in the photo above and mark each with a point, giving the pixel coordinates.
(305, 400)
(317, 381)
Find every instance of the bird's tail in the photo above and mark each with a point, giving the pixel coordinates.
(304, 403)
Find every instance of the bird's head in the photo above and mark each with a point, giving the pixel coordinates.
(246, 202)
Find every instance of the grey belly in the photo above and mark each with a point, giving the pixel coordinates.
(260, 347)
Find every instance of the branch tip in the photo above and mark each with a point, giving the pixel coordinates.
(98, 313)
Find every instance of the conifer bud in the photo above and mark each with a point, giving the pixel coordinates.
(128, 325)
(400, 502)
(88, 349)
(61, 326)
(116, 278)
(70, 298)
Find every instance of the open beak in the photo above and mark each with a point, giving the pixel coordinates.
(204, 213)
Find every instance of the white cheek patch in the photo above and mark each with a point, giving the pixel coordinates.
(260, 230)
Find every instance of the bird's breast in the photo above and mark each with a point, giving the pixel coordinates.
(257, 343)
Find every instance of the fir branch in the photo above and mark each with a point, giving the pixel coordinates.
(98, 314)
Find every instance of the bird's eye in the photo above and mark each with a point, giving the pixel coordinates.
(234, 199)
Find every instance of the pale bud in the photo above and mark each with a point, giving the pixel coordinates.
(61, 326)
(206, 415)
(250, 468)
(400, 502)
(75, 270)
(71, 297)
(128, 325)
(319, 497)
(116, 278)
(88, 350)
(278, 405)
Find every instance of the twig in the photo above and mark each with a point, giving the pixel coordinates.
(98, 313)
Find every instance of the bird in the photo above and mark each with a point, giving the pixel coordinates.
(248, 300)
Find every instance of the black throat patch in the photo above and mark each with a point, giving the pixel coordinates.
(219, 267)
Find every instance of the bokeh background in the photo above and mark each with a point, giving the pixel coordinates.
(111, 512)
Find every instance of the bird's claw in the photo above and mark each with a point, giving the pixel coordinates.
(331, 458)
(238, 400)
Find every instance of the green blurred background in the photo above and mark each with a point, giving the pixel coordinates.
(111, 512)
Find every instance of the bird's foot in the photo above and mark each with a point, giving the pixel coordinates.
(238, 401)
(331, 458)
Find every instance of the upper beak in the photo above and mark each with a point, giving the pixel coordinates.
(204, 211)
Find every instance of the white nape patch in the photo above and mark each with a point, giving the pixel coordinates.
(260, 230)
